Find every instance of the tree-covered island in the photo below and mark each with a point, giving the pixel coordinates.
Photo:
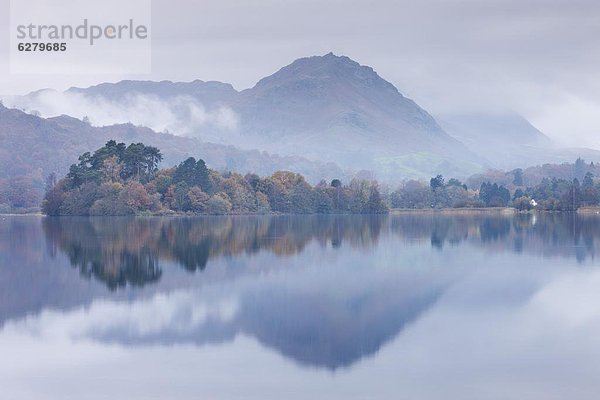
(125, 180)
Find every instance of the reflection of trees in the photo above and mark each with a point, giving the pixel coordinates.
(112, 251)
(118, 251)
(436, 227)
(548, 234)
(569, 233)
(494, 228)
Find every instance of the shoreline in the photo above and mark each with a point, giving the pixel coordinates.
(176, 215)
(588, 210)
(466, 210)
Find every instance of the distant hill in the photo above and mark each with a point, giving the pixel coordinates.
(32, 147)
(510, 141)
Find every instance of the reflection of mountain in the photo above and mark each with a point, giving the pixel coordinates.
(336, 331)
(324, 320)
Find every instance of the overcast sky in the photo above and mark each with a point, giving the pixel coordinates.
(538, 58)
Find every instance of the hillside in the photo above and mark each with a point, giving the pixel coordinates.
(33, 147)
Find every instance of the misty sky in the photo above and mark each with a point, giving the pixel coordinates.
(538, 58)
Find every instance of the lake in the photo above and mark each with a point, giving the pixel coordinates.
(412, 306)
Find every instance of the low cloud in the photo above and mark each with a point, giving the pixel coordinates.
(180, 115)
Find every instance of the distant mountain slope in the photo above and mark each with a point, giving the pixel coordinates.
(33, 146)
(510, 141)
(471, 128)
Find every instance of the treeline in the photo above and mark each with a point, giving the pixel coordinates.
(532, 176)
(437, 194)
(22, 193)
(123, 180)
(554, 194)
(561, 194)
(451, 194)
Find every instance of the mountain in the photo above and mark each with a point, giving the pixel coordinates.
(509, 141)
(33, 147)
(326, 108)
(332, 108)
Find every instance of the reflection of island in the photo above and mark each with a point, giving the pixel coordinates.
(120, 251)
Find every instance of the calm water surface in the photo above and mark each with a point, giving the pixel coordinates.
(341, 307)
